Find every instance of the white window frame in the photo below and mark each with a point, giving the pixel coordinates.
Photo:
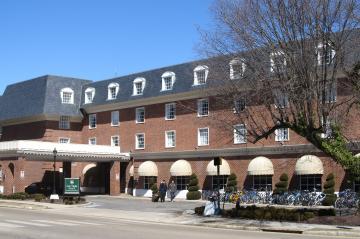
(237, 105)
(87, 92)
(67, 90)
(273, 55)
(320, 54)
(331, 92)
(64, 122)
(137, 115)
(233, 73)
(92, 141)
(199, 136)
(137, 141)
(237, 134)
(198, 69)
(63, 139)
(167, 142)
(90, 121)
(279, 136)
(167, 111)
(115, 118)
(117, 137)
(111, 86)
(168, 74)
(200, 107)
(139, 80)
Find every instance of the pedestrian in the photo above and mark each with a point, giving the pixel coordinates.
(172, 189)
(162, 191)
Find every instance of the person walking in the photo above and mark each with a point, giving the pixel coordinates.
(172, 189)
(162, 191)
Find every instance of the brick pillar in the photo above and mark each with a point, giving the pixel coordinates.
(115, 178)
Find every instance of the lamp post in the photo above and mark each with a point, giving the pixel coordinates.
(54, 195)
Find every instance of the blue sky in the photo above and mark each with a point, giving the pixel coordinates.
(96, 39)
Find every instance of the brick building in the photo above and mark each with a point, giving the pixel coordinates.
(118, 135)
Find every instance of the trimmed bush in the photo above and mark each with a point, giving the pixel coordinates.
(231, 185)
(329, 191)
(38, 197)
(17, 196)
(194, 193)
(155, 192)
(282, 185)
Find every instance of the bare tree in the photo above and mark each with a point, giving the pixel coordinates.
(287, 59)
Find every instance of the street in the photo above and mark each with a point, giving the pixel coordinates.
(24, 223)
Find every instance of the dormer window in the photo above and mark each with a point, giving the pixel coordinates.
(277, 61)
(67, 96)
(89, 95)
(325, 54)
(168, 79)
(139, 85)
(237, 68)
(113, 89)
(200, 75)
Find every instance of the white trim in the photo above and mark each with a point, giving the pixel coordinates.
(282, 140)
(118, 118)
(272, 61)
(66, 138)
(167, 109)
(112, 142)
(238, 62)
(92, 91)
(111, 86)
(87, 167)
(165, 75)
(141, 80)
(64, 122)
(166, 139)
(236, 132)
(198, 69)
(136, 140)
(198, 107)
(67, 90)
(92, 138)
(92, 115)
(199, 138)
(136, 115)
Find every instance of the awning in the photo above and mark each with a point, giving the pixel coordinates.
(148, 168)
(260, 166)
(309, 164)
(211, 170)
(180, 168)
(358, 155)
(131, 171)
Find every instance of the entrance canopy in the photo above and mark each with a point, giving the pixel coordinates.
(38, 150)
(309, 164)
(260, 166)
(211, 169)
(180, 168)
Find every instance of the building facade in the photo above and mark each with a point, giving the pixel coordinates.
(120, 135)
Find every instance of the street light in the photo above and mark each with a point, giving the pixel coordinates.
(54, 195)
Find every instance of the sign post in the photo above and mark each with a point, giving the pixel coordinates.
(217, 163)
(72, 186)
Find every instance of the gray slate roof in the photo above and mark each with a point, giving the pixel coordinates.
(40, 96)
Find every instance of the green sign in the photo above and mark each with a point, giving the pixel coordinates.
(72, 186)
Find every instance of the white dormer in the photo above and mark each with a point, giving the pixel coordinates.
(325, 54)
(168, 79)
(89, 95)
(277, 61)
(237, 68)
(113, 89)
(200, 75)
(139, 85)
(67, 96)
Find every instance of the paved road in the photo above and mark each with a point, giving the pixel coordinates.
(30, 224)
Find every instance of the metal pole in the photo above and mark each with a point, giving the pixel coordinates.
(54, 189)
(218, 185)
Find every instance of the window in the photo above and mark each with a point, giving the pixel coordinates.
(89, 95)
(140, 141)
(168, 79)
(64, 122)
(325, 54)
(200, 75)
(203, 136)
(170, 139)
(139, 85)
(170, 111)
(239, 134)
(237, 68)
(113, 89)
(92, 141)
(262, 182)
(203, 107)
(115, 140)
(330, 93)
(222, 181)
(149, 181)
(310, 182)
(182, 182)
(64, 140)
(140, 115)
(277, 61)
(282, 134)
(326, 128)
(67, 96)
(281, 99)
(114, 118)
(92, 121)
(239, 105)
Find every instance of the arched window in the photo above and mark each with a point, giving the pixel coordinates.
(200, 74)
(113, 89)
(89, 95)
(168, 79)
(139, 86)
(67, 96)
